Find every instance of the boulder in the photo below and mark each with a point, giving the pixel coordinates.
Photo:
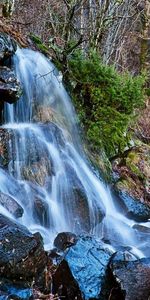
(11, 205)
(84, 269)
(53, 134)
(7, 48)
(5, 136)
(17, 290)
(41, 212)
(132, 275)
(64, 283)
(142, 229)
(37, 172)
(65, 240)
(76, 199)
(132, 174)
(143, 238)
(21, 253)
(9, 86)
(133, 208)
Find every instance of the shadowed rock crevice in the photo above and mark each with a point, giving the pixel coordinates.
(10, 89)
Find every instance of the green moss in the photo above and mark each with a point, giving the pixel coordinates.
(39, 43)
(101, 162)
(124, 185)
(132, 163)
(105, 101)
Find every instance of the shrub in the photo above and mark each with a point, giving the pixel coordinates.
(106, 101)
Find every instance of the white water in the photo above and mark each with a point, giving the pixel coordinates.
(47, 165)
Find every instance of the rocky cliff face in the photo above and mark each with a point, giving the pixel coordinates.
(9, 86)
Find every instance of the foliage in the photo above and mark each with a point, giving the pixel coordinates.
(105, 100)
(37, 41)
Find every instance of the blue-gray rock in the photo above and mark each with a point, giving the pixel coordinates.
(21, 253)
(133, 208)
(8, 47)
(132, 275)
(9, 290)
(9, 86)
(87, 262)
(65, 240)
(11, 205)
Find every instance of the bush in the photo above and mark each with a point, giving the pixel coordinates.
(105, 100)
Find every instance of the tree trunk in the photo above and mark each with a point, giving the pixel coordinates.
(144, 57)
(8, 8)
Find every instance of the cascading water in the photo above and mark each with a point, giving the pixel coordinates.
(47, 173)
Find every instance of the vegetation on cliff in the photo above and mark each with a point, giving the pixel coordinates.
(106, 101)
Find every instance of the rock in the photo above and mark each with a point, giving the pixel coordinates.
(53, 133)
(65, 240)
(41, 212)
(84, 266)
(7, 48)
(81, 218)
(143, 238)
(44, 114)
(13, 188)
(15, 290)
(10, 89)
(5, 136)
(9, 86)
(142, 229)
(132, 182)
(64, 284)
(21, 254)
(11, 205)
(133, 277)
(37, 164)
(111, 232)
(133, 208)
(37, 172)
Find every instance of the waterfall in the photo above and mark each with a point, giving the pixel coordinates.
(48, 173)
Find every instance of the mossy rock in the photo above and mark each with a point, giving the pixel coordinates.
(39, 44)
(134, 174)
(100, 163)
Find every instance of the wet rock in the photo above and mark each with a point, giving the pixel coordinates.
(44, 114)
(133, 208)
(110, 231)
(21, 254)
(7, 48)
(142, 229)
(37, 172)
(17, 290)
(41, 212)
(65, 285)
(13, 187)
(86, 264)
(77, 202)
(133, 277)
(132, 182)
(10, 89)
(4, 146)
(3, 296)
(65, 240)
(37, 163)
(53, 133)
(11, 205)
(143, 238)
(9, 86)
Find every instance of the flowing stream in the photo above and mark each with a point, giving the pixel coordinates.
(48, 173)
